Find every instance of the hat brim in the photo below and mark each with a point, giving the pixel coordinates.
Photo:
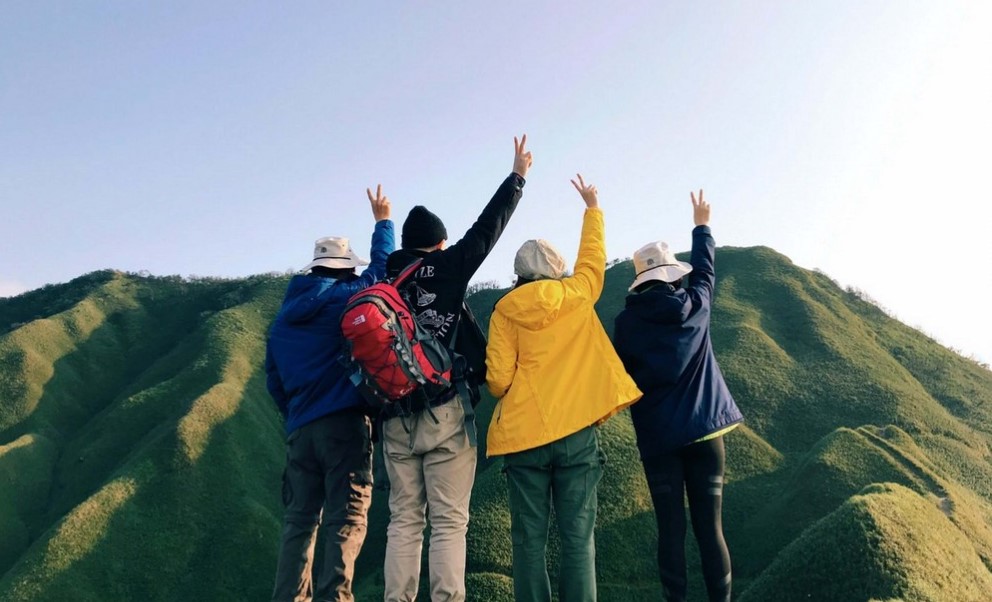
(665, 273)
(338, 263)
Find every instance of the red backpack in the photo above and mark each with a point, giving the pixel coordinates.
(394, 356)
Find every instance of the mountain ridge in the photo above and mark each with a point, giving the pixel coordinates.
(140, 454)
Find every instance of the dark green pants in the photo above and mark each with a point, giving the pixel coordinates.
(565, 473)
(328, 473)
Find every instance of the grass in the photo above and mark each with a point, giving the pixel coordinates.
(169, 472)
(25, 465)
(905, 549)
(140, 455)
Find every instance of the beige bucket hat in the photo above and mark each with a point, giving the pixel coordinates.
(537, 259)
(334, 252)
(655, 261)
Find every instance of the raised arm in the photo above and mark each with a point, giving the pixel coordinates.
(590, 267)
(501, 355)
(480, 239)
(383, 241)
(702, 279)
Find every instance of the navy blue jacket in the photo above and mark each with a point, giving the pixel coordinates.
(301, 361)
(663, 339)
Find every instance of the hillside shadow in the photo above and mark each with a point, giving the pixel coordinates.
(778, 507)
(84, 383)
(49, 300)
(136, 431)
(110, 358)
(158, 544)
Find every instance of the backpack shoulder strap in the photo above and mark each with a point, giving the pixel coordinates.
(406, 273)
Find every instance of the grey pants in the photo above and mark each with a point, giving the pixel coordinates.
(329, 467)
(565, 473)
(431, 468)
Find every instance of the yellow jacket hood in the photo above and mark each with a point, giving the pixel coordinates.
(535, 305)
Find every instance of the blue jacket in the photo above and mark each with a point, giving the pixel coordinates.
(304, 374)
(663, 338)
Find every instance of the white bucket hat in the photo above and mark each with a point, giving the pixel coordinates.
(655, 261)
(334, 252)
(538, 259)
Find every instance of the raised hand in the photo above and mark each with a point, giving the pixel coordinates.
(700, 209)
(522, 159)
(589, 193)
(380, 204)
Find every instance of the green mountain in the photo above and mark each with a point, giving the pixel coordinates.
(140, 455)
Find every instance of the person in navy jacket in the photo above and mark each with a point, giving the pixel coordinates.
(663, 339)
(329, 435)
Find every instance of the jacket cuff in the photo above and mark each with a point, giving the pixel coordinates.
(701, 230)
(517, 179)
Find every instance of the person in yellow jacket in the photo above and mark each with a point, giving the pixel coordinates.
(556, 375)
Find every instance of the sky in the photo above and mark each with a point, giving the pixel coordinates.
(222, 138)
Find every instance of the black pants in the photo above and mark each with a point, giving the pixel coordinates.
(696, 471)
(328, 473)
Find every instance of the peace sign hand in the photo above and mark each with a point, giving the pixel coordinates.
(700, 209)
(380, 204)
(522, 159)
(589, 193)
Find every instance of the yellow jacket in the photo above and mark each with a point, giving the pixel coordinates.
(549, 360)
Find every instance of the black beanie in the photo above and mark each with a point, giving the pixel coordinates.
(422, 229)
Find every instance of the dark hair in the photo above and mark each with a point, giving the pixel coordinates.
(336, 273)
(653, 283)
(522, 281)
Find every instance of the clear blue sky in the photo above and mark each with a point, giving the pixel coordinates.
(222, 138)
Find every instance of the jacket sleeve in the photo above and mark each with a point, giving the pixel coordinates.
(586, 284)
(383, 243)
(274, 383)
(501, 355)
(702, 279)
(480, 239)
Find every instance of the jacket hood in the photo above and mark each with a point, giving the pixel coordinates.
(533, 305)
(401, 258)
(305, 296)
(661, 304)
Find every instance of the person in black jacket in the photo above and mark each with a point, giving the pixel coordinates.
(430, 456)
(663, 339)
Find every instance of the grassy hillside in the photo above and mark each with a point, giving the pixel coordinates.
(143, 445)
(906, 549)
(140, 455)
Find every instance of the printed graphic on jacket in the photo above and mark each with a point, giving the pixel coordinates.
(434, 322)
(424, 298)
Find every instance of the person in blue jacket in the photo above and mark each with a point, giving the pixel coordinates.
(663, 338)
(329, 435)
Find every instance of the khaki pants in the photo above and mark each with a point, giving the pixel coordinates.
(431, 468)
(329, 467)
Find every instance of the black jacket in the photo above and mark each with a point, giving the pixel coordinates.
(437, 290)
